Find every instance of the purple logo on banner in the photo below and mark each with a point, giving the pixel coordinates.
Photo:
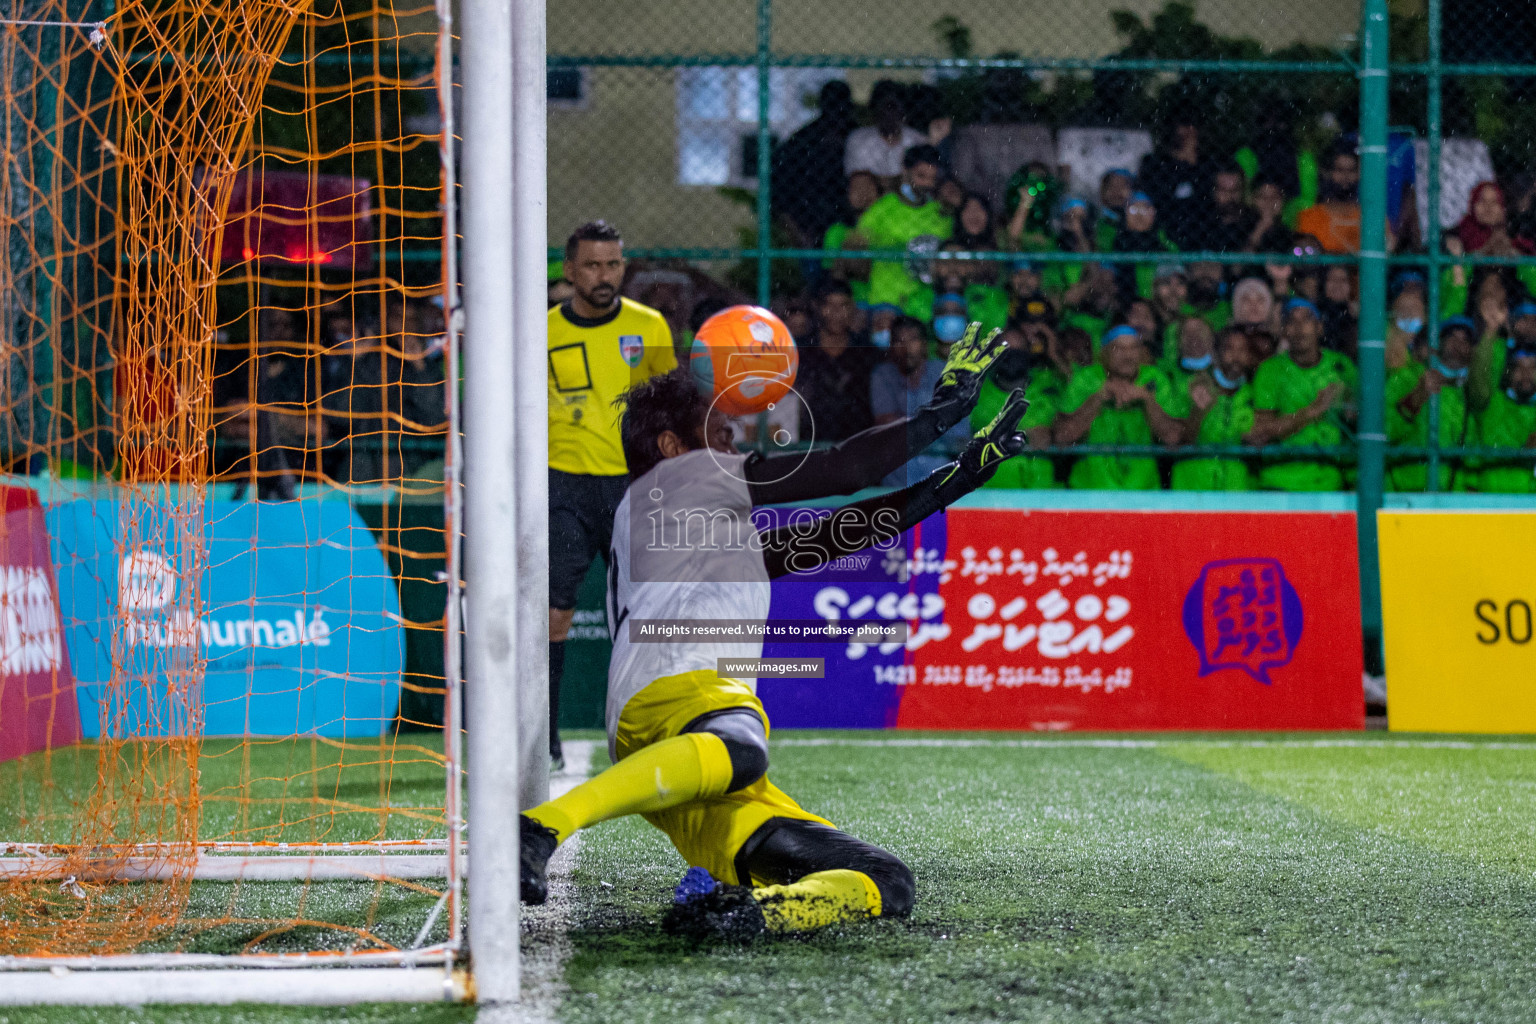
(1243, 613)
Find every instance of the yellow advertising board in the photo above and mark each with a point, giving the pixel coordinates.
(1458, 597)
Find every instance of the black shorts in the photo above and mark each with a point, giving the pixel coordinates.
(785, 850)
(581, 510)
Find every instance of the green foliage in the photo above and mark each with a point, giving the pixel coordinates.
(1227, 105)
(954, 35)
(742, 275)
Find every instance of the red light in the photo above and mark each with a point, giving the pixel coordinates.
(247, 253)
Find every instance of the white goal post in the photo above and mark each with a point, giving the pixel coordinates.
(497, 490)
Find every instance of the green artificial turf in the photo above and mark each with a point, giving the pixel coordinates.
(1215, 878)
(1060, 882)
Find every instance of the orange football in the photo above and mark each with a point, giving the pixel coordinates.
(744, 359)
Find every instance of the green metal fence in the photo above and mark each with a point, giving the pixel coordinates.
(665, 120)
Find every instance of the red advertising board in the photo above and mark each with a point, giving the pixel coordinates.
(1140, 620)
(293, 217)
(38, 708)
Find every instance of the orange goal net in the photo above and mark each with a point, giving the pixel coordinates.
(227, 707)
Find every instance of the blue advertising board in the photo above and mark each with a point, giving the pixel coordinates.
(298, 621)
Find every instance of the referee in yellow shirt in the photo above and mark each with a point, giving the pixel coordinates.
(599, 345)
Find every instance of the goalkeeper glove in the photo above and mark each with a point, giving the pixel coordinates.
(992, 445)
(969, 360)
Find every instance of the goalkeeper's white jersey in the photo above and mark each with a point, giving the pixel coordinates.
(684, 547)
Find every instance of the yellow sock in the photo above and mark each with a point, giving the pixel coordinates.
(818, 900)
(674, 771)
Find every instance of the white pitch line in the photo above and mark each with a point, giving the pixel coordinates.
(548, 927)
(1151, 744)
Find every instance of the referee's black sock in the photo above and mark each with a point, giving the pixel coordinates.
(556, 670)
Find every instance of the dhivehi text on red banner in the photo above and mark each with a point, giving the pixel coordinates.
(1053, 620)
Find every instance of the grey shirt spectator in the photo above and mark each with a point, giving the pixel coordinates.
(902, 386)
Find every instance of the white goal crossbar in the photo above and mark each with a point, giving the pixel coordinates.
(60, 985)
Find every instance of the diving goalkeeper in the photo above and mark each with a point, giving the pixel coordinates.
(690, 746)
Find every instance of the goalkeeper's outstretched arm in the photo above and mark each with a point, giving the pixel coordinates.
(864, 459)
(856, 526)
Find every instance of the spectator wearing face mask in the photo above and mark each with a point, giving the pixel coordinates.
(976, 282)
(1301, 397)
(1506, 418)
(882, 318)
(1193, 353)
(1119, 400)
(1406, 319)
(1021, 366)
(1219, 410)
(950, 320)
(1409, 388)
(909, 218)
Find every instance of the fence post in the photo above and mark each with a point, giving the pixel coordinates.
(764, 142)
(1373, 315)
(1432, 232)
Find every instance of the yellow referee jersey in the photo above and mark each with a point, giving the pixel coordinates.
(592, 362)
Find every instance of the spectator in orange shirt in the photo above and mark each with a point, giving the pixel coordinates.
(1335, 219)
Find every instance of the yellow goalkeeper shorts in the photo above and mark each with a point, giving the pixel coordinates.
(709, 832)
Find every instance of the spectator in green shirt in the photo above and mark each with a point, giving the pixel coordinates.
(909, 218)
(976, 281)
(1300, 398)
(1091, 302)
(1170, 295)
(1442, 373)
(1208, 293)
(863, 191)
(1507, 419)
(1074, 233)
(1220, 403)
(1503, 329)
(1119, 400)
(1016, 368)
(1141, 314)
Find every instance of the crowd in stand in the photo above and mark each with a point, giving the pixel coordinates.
(351, 395)
(1149, 355)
